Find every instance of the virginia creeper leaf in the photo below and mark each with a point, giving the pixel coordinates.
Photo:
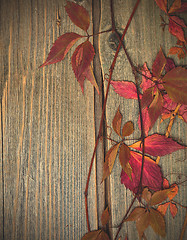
(88, 73)
(158, 145)
(163, 208)
(109, 160)
(175, 83)
(81, 58)
(174, 190)
(155, 109)
(176, 29)
(146, 195)
(61, 47)
(128, 170)
(152, 176)
(162, 4)
(146, 76)
(175, 6)
(159, 196)
(142, 223)
(159, 64)
(157, 222)
(146, 120)
(105, 217)
(128, 129)
(165, 183)
(173, 209)
(183, 7)
(135, 214)
(78, 15)
(116, 123)
(125, 89)
(177, 50)
(169, 65)
(95, 235)
(124, 155)
(147, 98)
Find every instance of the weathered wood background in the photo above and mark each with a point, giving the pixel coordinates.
(48, 127)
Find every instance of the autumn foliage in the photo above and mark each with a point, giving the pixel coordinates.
(162, 90)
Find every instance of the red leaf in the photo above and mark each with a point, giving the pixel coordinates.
(147, 98)
(157, 222)
(146, 76)
(178, 21)
(155, 109)
(124, 155)
(165, 183)
(105, 217)
(125, 89)
(163, 208)
(183, 7)
(128, 129)
(162, 4)
(173, 209)
(158, 145)
(159, 64)
(169, 65)
(109, 160)
(61, 47)
(78, 15)
(116, 123)
(175, 83)
(175, 6)
(146, 121)
(81, 58)
(176, 29)
(88, 73)
(152, 176)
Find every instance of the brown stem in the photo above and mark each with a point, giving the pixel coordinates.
(178, 204)
(104, 105)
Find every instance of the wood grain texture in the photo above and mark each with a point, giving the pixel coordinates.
(48, 128)
(143, 40)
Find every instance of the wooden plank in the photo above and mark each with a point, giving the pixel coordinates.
(143, 41)
(48, 127)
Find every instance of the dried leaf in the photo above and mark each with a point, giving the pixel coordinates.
(175, 83)
(173, 209)
(128, 129)
(82, 58)
(125, 89)
(157, 222)
(158, 145)
(135, 214)
(146, 120)
(116, 123)
(177, 50)
(128, 170)
(124, 155)
(78, 15)
(61, 47)
(147, 98)
(142, 223)
(146, 195)
(105, 217)
(152, 176)
(146, 76)
(109, 160)
(162, 4)
(175, 6)
(176, 29)
(159, 64)
(163, 208)
(159, 196)
(96, 235)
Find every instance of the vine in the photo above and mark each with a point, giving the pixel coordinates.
(162, 92)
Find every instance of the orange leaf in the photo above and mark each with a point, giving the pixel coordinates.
(173, 209)
(78, 15)
(177, 50)
(95, 235)
(109, 160)
(61, 47)
(159, 196)
(124, 155)
(163, 208)
(175, 6)
(136, 214)
(165, 183)
(162, 4)
(157, 222)
(146, 195)
(174, 190)
(116, 123)
(105, 217)
(128, 129)
(175, 83)
(142, 223)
